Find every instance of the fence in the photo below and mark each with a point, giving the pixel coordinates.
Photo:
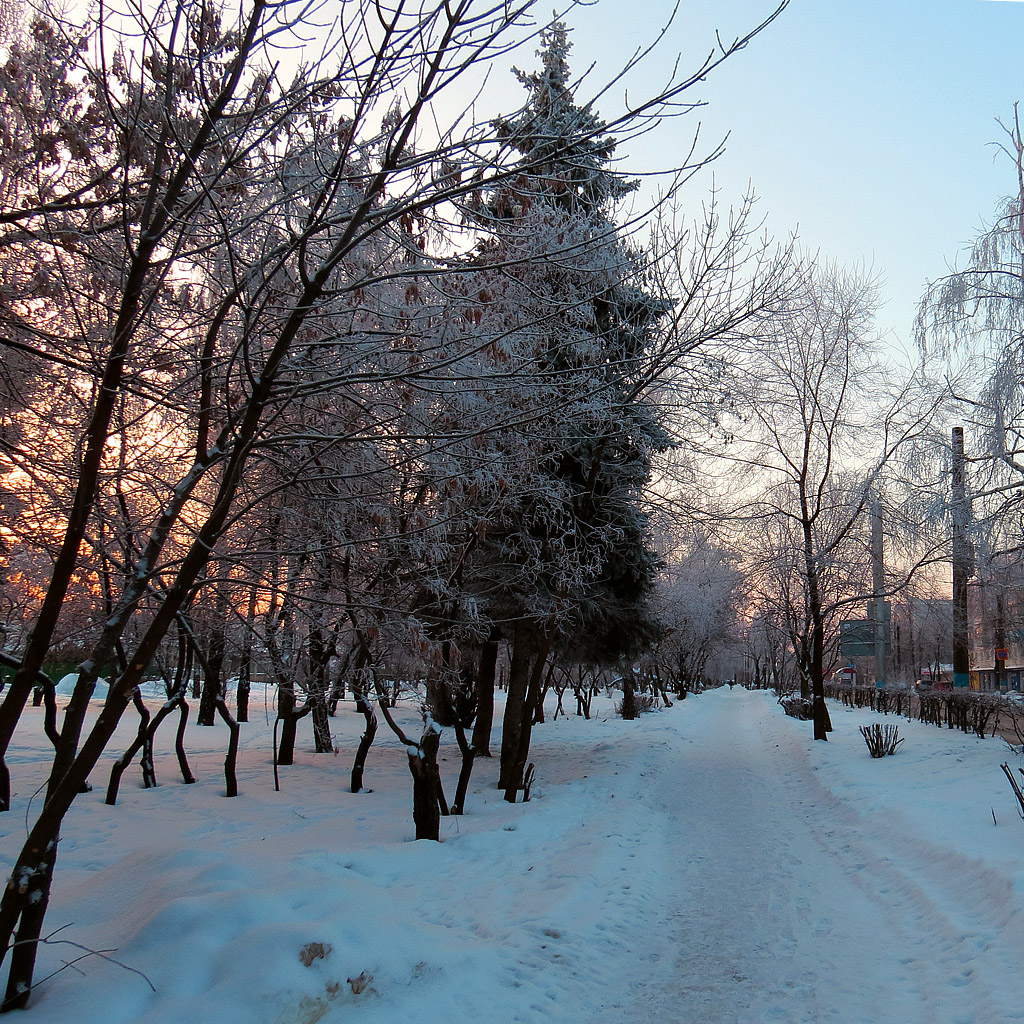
(969, 711)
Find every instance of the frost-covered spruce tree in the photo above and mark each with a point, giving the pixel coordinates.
(567, 561)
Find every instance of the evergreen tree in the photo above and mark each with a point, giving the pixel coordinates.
(570, 556)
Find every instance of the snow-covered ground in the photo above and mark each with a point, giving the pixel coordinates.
(708, 863)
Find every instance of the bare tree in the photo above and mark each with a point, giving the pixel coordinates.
(975, 318)
(698, 602)
(825, 424)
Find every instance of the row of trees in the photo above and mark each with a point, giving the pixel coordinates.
(306, 375)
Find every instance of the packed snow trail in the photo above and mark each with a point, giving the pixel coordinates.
(791, 908)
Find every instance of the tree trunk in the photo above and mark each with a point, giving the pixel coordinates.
(213, 669)
(820, 715)
(321, 719)
(538, 704)
(816, 619)
(534, 695)
(36, 890)
(24, 901)
(320, 649)
(245, 662)
(523, 644)
(231, 758)
(143, 741)
(289, 717)
(365, 707)
(179, 743)
(468, 758)
(629, 711)
(485, 694)
(427, 798)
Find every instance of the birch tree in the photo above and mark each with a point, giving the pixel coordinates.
(972, 320)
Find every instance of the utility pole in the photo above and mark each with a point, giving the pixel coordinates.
(878, 586)
(961, 563)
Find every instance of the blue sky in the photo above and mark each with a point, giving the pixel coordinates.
(865, 124)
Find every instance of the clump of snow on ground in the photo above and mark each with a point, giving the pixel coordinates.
(706, 863)
(66, 686)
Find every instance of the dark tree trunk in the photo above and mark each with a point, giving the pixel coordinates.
(534, 695)
(321, 719)
(560, 687)
(23, 906)
(820, 715)
(208, 698)
(629, 711)
(288, 716)
(584, 695)
(365, 708)
(244, 686)
(468, 757)
(144, 742)
(179, 743)
(816, 654)
(245, 663)
(337, 694)
(231, 758)
(213, 668)
(74, 718)
(538, 704)
(428, 803)
(30, 927)
(320, 644)
(176, 699)
(523, 644)
(176, 702)
(425, 813)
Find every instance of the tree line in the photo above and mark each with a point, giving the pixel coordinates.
(305, 374)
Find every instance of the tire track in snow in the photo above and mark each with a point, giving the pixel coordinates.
(816, 915)
(953, 920)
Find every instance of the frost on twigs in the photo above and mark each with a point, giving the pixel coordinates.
(881, 740)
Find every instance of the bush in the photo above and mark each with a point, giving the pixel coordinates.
(881, 741)
(797, 707)
(641, 703)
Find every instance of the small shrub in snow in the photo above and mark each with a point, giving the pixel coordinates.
(881, 740)
(797, 707)
(641, 702)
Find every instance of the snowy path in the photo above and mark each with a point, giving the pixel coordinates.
(703, 865)
(814, 914)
